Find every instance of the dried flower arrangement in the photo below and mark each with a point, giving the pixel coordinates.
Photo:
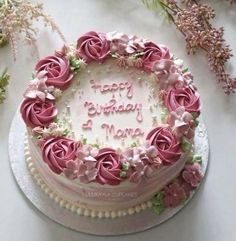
(4, 80)
(16, 21)
(193, 20)
(232, 1)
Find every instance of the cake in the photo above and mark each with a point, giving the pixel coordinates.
(110, 126)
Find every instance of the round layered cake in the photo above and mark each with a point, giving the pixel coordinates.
(110, 126)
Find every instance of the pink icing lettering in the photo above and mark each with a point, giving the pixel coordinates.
(121, 133)
(95, 85)
(111, 108)
(129, 86)
(92, 110)
(139, 112)
(113, 87)
(87, 125)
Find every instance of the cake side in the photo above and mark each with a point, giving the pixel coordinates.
(105, 197)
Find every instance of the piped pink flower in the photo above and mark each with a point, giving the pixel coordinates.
(124, 44)
(87, 170)
(186, 186)
(63, 51)
(71, 169)
(174, 195)
(38, 88)
(149, 155)
(168, 74)
(141, 172)
(138, 63)
(182, 122)
(191, 174)
(122, 61)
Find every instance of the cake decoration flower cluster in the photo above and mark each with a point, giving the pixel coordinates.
(164, 145)
(179, 190)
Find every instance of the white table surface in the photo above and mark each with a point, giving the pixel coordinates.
(211, 214)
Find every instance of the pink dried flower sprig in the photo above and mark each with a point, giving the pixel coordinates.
(193, 20)
(17, 19)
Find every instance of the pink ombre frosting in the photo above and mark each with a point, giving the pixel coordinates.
(109, 166)
(56, 152)
(58, 71)
(152, 53)
(166, 143)
(185, 96)
(93, 47)
(36, 112)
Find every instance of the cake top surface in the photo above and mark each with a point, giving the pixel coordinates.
(111, 107)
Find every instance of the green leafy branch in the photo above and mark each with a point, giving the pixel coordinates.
(4, 81)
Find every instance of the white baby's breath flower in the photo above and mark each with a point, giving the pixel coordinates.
(46, 132)
(82, 63)
(57, 93)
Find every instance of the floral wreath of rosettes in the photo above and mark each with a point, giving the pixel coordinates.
(164, 145)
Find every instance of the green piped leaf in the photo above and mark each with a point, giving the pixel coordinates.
(124, 170)
(197, 158)
(164, 114)
(134, 144)
(74, 64)
(115, 56)
(159, 209)
(137, 54)
(33, 75)
(185, 145)
(96, 145)
(4, 81)
(125, 166)
(123, 174)
(66, 132)
(194, 115)
(195, 118)
(158, 203)
(84, 141)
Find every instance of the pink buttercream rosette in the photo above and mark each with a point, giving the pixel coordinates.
(59, 152)
(152, 53)
(186, 97)
(166, 143)
(57, 71)
(109, 166)
(36, 112)
(93, 46)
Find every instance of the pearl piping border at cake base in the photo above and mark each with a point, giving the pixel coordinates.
(75, 208)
